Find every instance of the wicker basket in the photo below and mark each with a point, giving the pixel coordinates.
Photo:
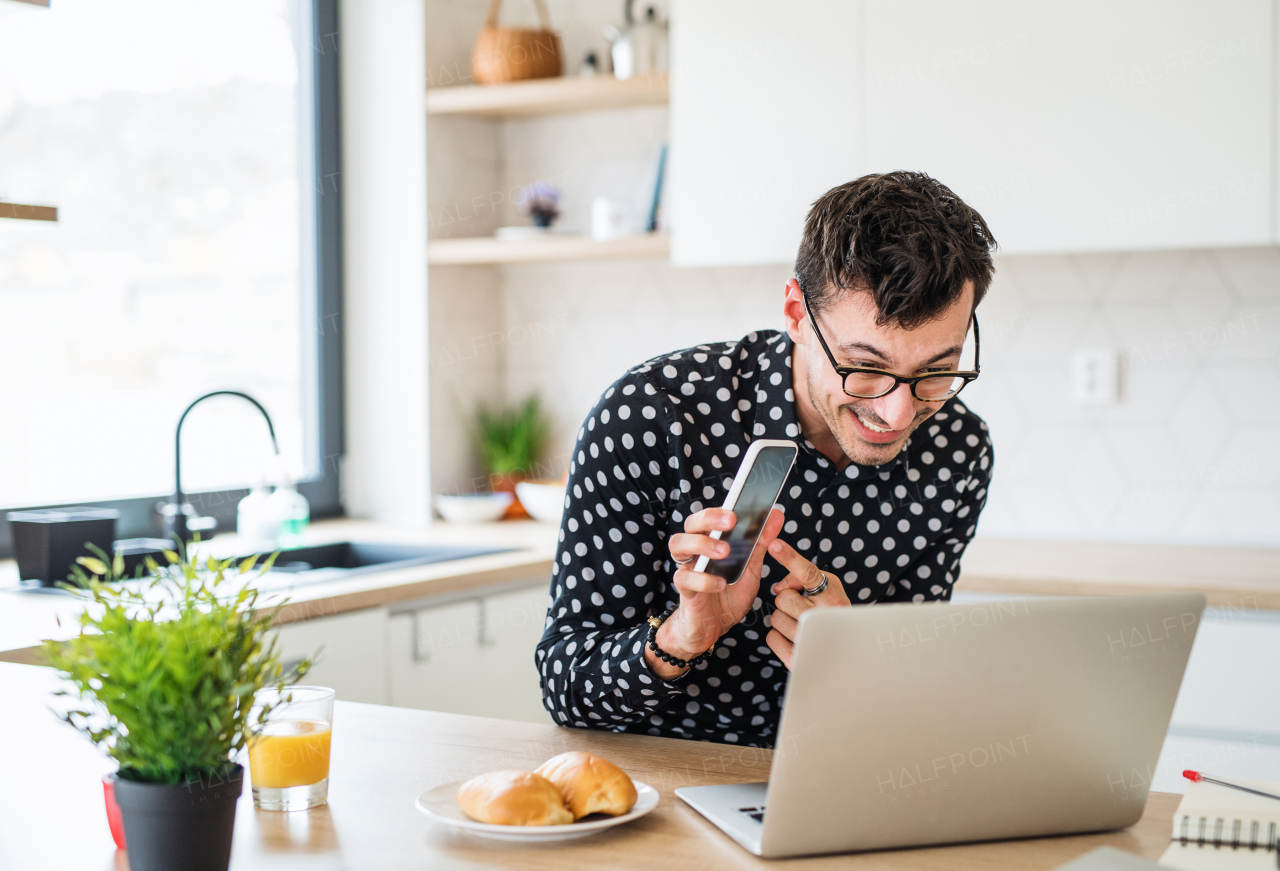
(510, 54)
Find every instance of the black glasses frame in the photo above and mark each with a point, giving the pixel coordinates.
(912, 380)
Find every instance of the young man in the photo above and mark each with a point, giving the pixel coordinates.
(890, 477)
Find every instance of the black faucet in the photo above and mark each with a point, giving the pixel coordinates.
(180, 518)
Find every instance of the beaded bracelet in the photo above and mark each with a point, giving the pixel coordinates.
(654, 623)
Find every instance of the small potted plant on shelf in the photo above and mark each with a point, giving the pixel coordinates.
(162, 679)
(510, 441)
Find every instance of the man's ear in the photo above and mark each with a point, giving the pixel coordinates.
(793, 312)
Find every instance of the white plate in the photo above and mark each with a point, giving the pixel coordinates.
(441, 804)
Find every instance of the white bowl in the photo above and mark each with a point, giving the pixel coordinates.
(476, 508)
(544, 502)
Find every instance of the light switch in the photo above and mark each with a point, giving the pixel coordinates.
(1095, 376)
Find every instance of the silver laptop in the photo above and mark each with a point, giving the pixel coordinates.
(908, 725)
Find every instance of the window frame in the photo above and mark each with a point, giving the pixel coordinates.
(138, 516)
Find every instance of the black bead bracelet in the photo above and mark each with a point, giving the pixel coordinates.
(654, 623)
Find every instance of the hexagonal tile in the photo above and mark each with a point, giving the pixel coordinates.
(1049, 281)
(1151, 392)
(1046, 453)
(1201, 295)
(1248, 391)
(1047, 336)
(1251, 331)
(1247, 517)
(1146, 452)
(1096, 484)
(1097, 272)
(1046, 511)
(1044, 392)
(1201, 425)
(1095, 332)
(1253, 273)
(1143, 332)
(1202, 523)
(1149, 512)
(1251, 457)
(1148, 275)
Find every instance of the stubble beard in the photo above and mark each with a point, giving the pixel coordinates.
(846, 437)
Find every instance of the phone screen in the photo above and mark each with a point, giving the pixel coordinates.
(764, 483)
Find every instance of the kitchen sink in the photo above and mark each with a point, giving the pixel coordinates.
(357, 557)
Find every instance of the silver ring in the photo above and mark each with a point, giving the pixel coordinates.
(826, 582)
(682, 562)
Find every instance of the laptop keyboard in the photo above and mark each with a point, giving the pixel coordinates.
(756, 813)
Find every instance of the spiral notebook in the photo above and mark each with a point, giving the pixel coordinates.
(1221, 829)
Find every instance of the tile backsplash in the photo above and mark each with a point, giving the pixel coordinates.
(1190, 453)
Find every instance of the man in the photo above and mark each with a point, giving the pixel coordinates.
(890, 477)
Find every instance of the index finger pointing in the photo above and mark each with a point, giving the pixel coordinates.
(794, 563)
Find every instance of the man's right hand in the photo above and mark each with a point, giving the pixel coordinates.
(709, 606)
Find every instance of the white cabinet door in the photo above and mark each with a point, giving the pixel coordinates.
(1090, 125)
(1230, 685)
(1082, 126)
(474, 656)
(354, 659)
(763, 120)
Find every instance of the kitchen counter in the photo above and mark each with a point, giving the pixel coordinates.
(26, 618)
(384, 757)
(1238, 579)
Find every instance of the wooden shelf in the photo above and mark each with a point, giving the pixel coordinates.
(28, 213)
(549, 249)
(548, 96)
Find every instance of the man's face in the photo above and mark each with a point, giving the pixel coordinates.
(871, 431)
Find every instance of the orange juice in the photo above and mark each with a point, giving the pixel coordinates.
(290, 753)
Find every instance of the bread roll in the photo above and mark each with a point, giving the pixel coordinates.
(589, 784)
(513, 798)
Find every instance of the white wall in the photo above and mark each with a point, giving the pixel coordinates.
(386, 471)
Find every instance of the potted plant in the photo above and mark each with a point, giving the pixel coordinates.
(162, 676)
(510, 441)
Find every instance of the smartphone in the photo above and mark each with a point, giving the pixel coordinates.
(755, 490)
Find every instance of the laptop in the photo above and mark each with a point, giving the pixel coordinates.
(910, 725)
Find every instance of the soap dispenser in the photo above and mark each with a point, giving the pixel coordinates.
(292, 511)
(257, 522)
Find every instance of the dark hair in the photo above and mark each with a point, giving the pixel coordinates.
(902, 236)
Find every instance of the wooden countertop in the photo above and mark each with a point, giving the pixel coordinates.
(27, 618)
(51, 816)
(1237, 579)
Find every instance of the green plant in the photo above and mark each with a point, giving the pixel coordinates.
(511, 438)
(164, 673)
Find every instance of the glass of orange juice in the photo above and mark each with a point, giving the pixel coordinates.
(289, 752)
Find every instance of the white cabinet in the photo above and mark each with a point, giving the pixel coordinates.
(471, 656)
(1079, 126)
(354, 656)
(763, 120)
(1230, 685)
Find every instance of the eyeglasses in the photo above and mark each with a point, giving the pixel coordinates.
(864, 382)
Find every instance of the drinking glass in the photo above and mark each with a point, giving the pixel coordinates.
(289, 753)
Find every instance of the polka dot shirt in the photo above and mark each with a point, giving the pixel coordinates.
(663, 443)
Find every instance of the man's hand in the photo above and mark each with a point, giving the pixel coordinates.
(708, 605)
(791, 602)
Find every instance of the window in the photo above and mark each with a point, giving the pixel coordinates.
(190, 148)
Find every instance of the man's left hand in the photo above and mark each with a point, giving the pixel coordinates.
(790, 599)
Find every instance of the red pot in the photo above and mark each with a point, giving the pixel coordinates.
(113, 811)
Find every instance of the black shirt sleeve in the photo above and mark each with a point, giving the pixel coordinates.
(609, 573)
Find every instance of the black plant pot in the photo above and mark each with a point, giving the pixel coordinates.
(186, 827)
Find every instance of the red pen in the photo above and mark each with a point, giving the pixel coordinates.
(1196, 777)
